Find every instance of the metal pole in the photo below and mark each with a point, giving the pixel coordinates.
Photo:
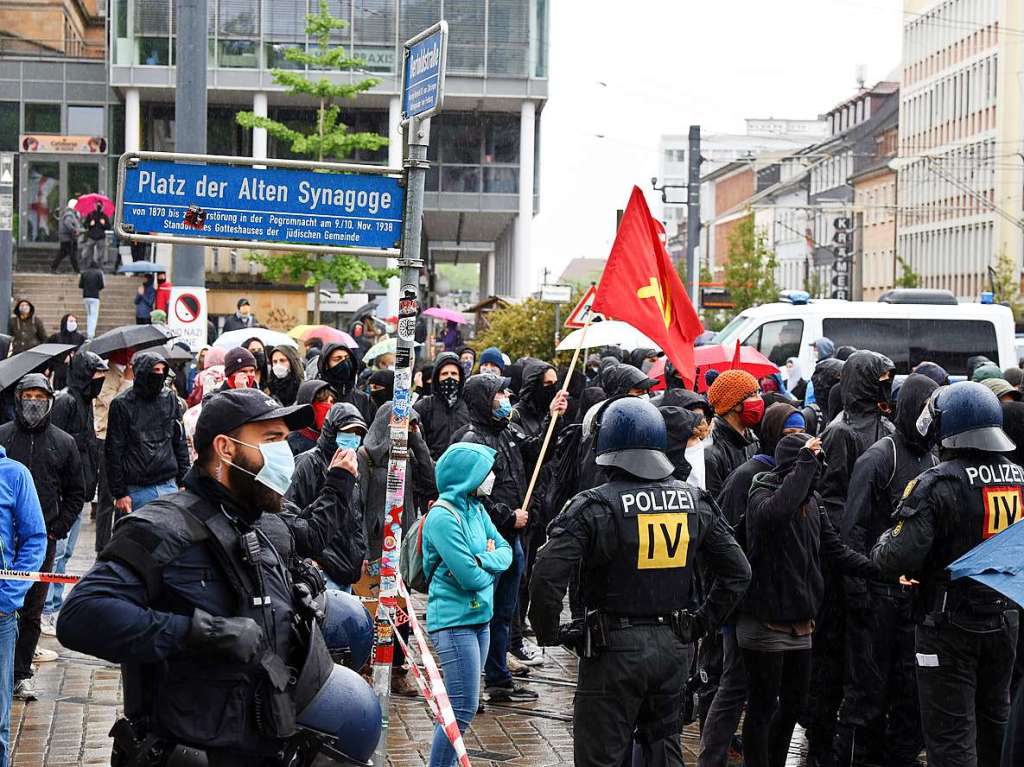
(411, 265)
(693, 215)
(190, 49)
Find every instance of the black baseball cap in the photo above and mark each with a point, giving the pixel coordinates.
(242, 302)
(228, 410)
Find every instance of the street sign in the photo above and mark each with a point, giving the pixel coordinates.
(841, 280)
(556, 294)
(423, 72)
(187, 315)
(287, 205)
(581, 312)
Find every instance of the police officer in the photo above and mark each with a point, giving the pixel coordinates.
(204, 598)
(634, 540)
(966, 633)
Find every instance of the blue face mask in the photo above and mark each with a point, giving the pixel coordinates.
(504, 410)
(278, 465)
(347, 441)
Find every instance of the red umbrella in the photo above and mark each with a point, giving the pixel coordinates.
(720, 357)
(87, 204)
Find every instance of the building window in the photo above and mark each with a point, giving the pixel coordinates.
(475, 153)
(373, 34)
(85, 121)
(42, 118)
(466, 36)
(9, 126)
(508, 33)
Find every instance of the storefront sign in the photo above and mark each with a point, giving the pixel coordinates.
(35, 143)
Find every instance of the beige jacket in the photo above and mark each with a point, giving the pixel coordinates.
(114, 383)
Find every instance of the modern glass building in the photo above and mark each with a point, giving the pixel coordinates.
(482, 187)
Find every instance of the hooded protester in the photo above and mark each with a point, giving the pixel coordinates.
(1013, 425)
(643, 359)
(789, 535)
(514, 374)
(320, 396)
(516, 453)
(933, 371)
(444, 411)
(975, 362)
(673, 380)
(723, 716)
(339, 367)
(467, 359)
(738, 410)
(68, 334)
(824, 349)
(285, 374)
(540, 384)
(1014, 376)
(843, 352)
(592, 370)
(51, 456)
(382, 387)
(686, 398)
(865, 388)
(146, 454)
(26, 328)
(425, 374)
(258, 350)
(620, 379)
(879, 722)
(826, 375)
(687, 458)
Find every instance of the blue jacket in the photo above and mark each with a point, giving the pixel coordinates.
(22, 530)
(455, 538)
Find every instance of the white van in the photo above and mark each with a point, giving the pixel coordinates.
(907, 330)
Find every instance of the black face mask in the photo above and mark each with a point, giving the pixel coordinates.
(340, 376)
(449, 389)
(380, 396)
(261, 360)
(149, 384)
(95, 387)
(543, 396)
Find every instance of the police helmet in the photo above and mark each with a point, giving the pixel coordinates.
(347, 713)
(347, 628)
(633, 437)
(968, 416)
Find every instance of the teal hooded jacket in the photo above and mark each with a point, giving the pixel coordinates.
(461, 591)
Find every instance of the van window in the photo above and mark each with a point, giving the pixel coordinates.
(950, 342)
(778, 341)
(886, 336)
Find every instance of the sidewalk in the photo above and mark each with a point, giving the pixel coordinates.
(80, 697)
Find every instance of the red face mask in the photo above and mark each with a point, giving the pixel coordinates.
(752, 412)
(320, 413)
(241, 381)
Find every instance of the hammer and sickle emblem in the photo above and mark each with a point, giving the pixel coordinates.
(653, 290)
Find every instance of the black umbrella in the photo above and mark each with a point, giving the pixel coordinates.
(129, 337)
(174, 354)
(34, 360)
(364, 310)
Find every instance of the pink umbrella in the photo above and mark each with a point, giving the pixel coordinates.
(448, 315)
(330, 335)
(87, 204)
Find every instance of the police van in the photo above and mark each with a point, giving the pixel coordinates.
(908, 326)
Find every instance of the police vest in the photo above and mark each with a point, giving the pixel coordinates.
(659, 531)
(973, 498)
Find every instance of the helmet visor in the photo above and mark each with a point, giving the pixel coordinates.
(642, 463)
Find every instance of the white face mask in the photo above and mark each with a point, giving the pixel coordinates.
(486, 486)
(72, 326)
(281, 369)
(695, 457)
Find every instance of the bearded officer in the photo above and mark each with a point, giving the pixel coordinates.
(634, 540)
(966, 633)
(201, 596)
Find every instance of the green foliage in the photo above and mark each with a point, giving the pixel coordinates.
(750, 270)
(461, 277)
(526, 329)
(1006, 283)
(347, 272)
(813, 284)
(908, 277)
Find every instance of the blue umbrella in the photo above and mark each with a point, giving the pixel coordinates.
(141, 267)
(998, 562)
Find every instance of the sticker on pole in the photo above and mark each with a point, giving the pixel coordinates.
(187, 315)
(423, 72)
(583, 311)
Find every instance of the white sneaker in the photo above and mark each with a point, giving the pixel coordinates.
(42, 655)
(48, 626)
(528, 656)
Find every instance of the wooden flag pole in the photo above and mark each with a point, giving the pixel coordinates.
(554, 418)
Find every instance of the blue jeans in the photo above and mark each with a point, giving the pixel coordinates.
(92, 315)
(461, 650)
(143, 494)
(8, 638)
(506, 600)
(65, 550)
(336, 586)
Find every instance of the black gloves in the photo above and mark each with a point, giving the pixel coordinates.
(239, 638)
(688, 626)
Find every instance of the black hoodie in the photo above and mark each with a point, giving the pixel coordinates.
(855, 429)
(618, 379)
(826, 375)
(63, 336)
(73, 413)
(532, 409)
(302, 440)
(344, 386)
(882, 474)
(680, 424)
(439, 420)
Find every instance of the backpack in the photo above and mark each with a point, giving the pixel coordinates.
(410, 558)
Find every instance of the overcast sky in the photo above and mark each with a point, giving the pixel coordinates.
(632, 71)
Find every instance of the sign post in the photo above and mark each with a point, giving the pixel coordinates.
(842, 287)
(186, 314)
(423, 72)
(6, 241)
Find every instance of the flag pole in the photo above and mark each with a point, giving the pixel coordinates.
(554, 418)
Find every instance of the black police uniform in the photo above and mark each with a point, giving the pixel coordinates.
(141, 605)
(966, 632)
(635, 542)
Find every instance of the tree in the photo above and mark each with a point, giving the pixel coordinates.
(331, 140)
(908, 277)
(526, 329)
(750, 270)
(1006, 283)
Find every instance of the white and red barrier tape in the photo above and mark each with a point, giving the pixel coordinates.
(26, 575)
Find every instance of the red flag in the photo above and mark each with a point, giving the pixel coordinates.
(640, 286)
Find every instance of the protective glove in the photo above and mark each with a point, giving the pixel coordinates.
(571, 636)
(239, 638)
(688, 626)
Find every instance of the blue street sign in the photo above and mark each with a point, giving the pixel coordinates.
(264, 207)
(423, 72)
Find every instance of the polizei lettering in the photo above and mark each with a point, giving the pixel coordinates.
(1000, 473)
(654, 501)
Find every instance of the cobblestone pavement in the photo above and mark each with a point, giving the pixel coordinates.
(80, 697)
